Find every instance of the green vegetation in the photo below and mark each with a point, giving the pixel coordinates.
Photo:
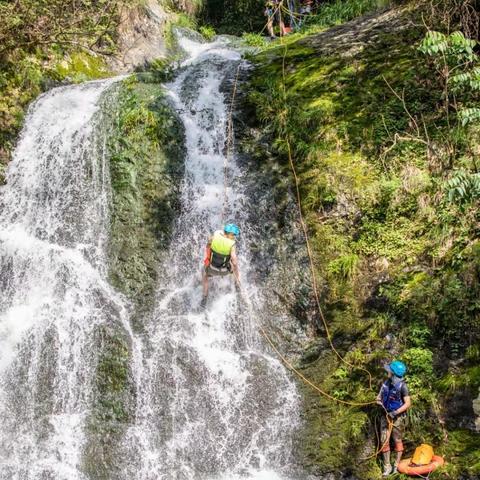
(234, 16)
(340, 11)
(247, 16)
(207, 31)
(44, 43)
(384, 135)
(146, 165)
(145, 148)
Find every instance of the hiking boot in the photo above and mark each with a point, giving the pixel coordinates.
(203, 303)
(387, 470)
(395, 469)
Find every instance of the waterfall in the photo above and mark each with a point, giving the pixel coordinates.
(211, 401)
(54, 286)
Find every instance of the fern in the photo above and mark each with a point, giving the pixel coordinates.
(469, 115)
(463, 187)
(345, 266)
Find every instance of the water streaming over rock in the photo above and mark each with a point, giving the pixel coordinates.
(211, 401)
(54, 287)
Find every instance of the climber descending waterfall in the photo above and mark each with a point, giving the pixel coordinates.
(212, 403)
(221, 257)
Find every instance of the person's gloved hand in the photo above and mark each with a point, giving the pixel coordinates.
(392, 416)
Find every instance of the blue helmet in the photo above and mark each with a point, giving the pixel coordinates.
(398, 368)
(231, 228)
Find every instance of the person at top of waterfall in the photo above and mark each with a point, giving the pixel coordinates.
(273, 11)
(221, 256)
(394, 397)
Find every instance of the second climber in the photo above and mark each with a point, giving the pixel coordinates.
(221, 257)
(394, 397)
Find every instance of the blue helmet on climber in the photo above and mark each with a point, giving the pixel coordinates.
(398, 368)
(231, 228)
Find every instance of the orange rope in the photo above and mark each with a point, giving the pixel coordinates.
(305, 230)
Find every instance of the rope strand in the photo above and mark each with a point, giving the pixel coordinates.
(247, 302)
(229, 154)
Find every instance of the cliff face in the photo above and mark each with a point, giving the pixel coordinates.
(396, 256)
(141, 36)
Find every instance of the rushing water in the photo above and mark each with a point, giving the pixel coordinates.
(54, 286)
(211, 401)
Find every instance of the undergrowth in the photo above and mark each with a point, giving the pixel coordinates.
(47, 43)
(387, 173)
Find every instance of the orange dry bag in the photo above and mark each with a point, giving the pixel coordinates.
(423, 455)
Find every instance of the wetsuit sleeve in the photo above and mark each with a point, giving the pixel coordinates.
(405, 392)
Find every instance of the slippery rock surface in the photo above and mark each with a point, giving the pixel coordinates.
(352, 37)
(476, 409)
(140, 36)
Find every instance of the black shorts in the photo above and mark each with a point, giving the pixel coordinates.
(217, 272)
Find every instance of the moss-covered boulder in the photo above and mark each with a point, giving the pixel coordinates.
(146, 149)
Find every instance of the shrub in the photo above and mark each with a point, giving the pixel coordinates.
(207, 31)
(463, 187)
(254, 40)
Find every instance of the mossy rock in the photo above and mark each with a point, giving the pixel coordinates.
(146, 167)
(389, 274)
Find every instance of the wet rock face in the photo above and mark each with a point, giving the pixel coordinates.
(277, 244)
(140, 36)
(146, 173)
(459, 411)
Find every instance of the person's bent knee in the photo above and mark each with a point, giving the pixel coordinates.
(398, 445)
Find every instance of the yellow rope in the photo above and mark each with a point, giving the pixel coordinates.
(304, 226)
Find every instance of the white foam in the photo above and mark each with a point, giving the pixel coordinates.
(226, 404)
(53, 233)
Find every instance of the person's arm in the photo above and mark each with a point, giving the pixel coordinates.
(379, 397)
(234, 262)
(407, 403)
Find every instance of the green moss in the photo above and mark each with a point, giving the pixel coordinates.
(114, 400)
(80, 67)
(462, 455)
(391, 256)
(146, 166)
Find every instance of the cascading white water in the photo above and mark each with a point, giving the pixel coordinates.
(54, 287)
(212, 403)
